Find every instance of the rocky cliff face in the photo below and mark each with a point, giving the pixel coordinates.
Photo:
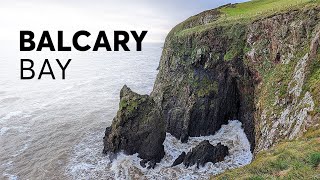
(199, 89)
(263, 72)
(283, 51)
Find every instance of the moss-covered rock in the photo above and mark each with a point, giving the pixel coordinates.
(200, 87)
(137, 128)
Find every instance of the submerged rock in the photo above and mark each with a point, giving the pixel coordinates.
(137, 128)
(205, 152)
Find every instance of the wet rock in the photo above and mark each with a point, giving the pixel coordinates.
(184, 138)
(205, 152)
(143, 163)
(137, 128)
(179, 160)
(112, 156)
(151, 164)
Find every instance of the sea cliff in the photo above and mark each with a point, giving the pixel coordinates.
(256, 62)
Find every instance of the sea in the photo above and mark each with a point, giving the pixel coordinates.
(53, 129)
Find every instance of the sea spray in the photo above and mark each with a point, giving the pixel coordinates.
(87, 161)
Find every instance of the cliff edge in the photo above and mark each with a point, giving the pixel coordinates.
(257, 62)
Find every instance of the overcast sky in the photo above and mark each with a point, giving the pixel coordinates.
(156, 16)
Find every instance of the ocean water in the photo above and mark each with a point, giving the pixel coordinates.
(88, 163)
(53, 129)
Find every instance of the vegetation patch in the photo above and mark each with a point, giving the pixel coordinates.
(297, 159)
(242, 13)
(129, 105)
(315, 159)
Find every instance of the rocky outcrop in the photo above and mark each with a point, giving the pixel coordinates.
(137, 128)
(201, 154)
(263, 72)
(205, 152)
(179, 159)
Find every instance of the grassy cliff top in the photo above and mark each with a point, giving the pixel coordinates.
(240, 13)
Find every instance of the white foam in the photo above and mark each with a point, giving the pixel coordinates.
(128, 167)
(7, 166)
(4, 130)
(11, 114)
(10, 176)
(15, 129)
(21, 150)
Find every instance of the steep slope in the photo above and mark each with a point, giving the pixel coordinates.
(257, 62)
(296, 159)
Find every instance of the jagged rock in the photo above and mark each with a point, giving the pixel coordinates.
(151, 164)
(137, 128)
(205, 152)
(143, 163)
(179, 160)
(200, 88)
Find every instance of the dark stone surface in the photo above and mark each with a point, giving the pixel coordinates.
(137, 128)
(205, 152)
(199, 90)
(151, 164)
(179, 160)
(143, 163)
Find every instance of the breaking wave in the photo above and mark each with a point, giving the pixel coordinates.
(88, 162)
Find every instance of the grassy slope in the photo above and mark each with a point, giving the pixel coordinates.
(257, 8)
(248, 12)
(297, 159)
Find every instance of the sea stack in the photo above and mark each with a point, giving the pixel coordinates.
(137, 128)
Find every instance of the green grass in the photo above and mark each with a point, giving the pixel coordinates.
(244, 13)
(298, 159)
(315, 159)
(258, 8)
